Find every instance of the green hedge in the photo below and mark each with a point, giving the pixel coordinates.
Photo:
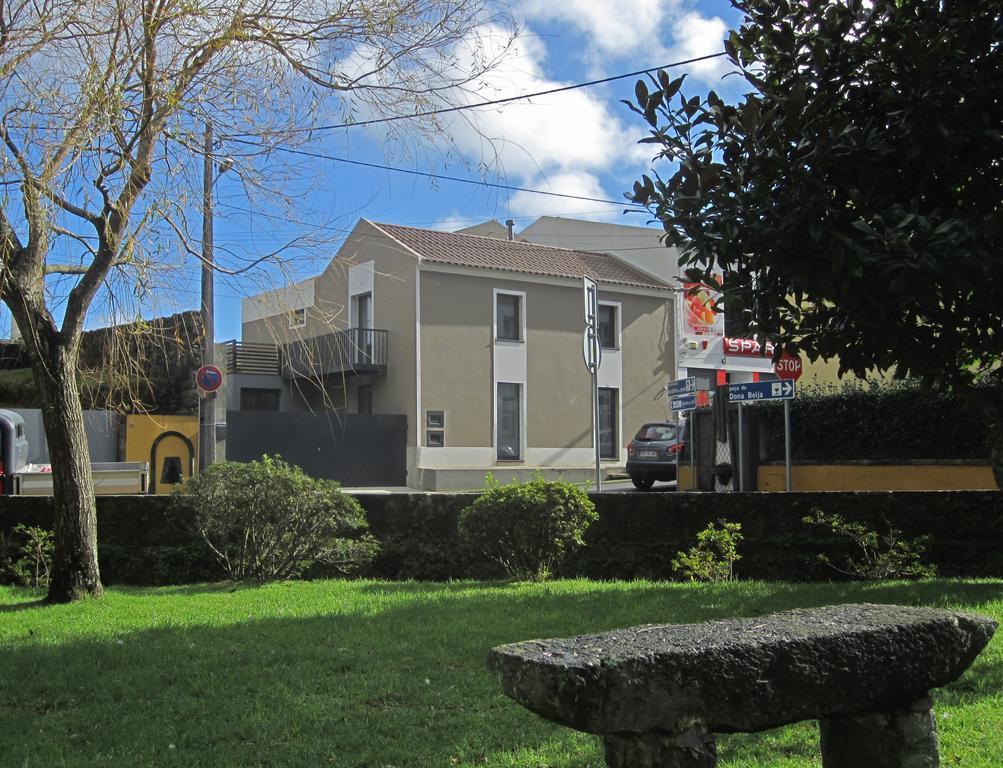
(894, 422)
(143, 541)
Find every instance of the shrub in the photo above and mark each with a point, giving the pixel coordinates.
(26, 555)
(714, 555)
(887, 556)
(527, 528)
(268, 520)
(890, 421)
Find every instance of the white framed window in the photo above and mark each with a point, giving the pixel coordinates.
(297, 318)
(608, 324)
(510, 316)
(508, 421)
(609, 428)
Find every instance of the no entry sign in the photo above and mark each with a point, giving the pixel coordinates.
(208, 378)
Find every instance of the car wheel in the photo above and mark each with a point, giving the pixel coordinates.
(642, 483)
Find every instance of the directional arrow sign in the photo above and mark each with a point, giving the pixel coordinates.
(683, 402)
(681, 387)
(760, 390)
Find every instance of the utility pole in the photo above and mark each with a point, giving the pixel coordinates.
(207, 425)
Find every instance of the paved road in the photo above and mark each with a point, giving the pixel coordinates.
(625, 486)
(608, 486)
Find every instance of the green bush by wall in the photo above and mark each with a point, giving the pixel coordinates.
(142, 541)
(896, 421)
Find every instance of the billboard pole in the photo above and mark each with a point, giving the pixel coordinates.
(741, 451)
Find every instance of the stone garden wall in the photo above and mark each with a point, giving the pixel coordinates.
(142, 540)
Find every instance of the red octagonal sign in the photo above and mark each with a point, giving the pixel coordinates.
(788, 367)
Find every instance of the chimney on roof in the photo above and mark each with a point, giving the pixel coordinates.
(510, 223)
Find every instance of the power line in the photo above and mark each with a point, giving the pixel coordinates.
(439, 177)
(505, 100)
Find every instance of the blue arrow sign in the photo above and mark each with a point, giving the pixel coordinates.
(760, 390)
(683, 402)
(681, 387)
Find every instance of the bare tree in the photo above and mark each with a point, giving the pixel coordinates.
(103, 101)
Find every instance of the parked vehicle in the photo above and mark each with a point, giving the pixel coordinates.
(652, 454)
(19, 478)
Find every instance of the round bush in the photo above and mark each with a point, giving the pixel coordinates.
(268, 520)
(527, 529)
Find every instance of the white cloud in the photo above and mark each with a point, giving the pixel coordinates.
(696, 36)
(579, 184)
(659, 31)
(621, 28)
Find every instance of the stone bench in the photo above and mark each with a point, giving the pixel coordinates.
(657, 694)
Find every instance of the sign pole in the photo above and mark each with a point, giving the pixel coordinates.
(787, 443)
(595, 427)
(679, 434)
(592, 353)
(201, 464)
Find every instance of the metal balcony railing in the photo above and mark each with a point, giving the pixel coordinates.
(353, 350)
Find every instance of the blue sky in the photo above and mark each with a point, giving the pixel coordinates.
(583, 142)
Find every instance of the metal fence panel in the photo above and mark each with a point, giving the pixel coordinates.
(354, 449)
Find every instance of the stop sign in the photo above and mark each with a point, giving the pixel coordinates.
(788, 367)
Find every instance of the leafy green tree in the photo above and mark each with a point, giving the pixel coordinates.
(852, 199)
(105, 104)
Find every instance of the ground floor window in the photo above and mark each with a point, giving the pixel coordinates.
(252, 399)
(508, 418)
(608, 427)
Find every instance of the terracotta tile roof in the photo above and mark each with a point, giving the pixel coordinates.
(516, 256)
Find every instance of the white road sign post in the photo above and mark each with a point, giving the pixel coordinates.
(592, 352)
(682, 394)
(788, 368)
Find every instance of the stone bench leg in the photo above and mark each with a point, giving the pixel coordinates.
(694, 748)
(903, 738)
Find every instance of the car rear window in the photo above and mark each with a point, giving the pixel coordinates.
(651, 432)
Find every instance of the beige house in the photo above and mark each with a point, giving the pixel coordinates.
(477, 341)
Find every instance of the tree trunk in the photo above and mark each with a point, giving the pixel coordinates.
(75, 572)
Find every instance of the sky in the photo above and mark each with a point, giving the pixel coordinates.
(582, 142)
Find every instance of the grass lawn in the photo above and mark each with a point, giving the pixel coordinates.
(376, 674)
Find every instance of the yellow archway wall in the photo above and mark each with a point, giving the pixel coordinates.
(170, 434)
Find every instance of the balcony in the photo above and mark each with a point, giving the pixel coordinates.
(260, 359)
(353, 350)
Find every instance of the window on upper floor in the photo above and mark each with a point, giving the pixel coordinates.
(508, 317)
(607, 325)
(297, 318)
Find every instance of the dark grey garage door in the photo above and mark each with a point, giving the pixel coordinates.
(354, 449)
